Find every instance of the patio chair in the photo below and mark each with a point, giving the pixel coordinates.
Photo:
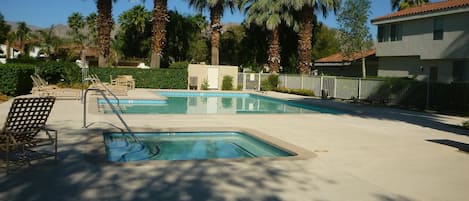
(97, 84)
(42, 88)
(24, 135)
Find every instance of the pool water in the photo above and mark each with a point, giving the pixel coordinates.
(188, 146)
(214, 103)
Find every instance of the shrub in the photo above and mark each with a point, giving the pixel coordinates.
(270, 83)
(180, 64)
(161, 78)
(227, 83)
(15, 79)
(303, 92)
(53, 72)
(204, 85)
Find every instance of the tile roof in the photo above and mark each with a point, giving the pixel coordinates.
(426, 8)
(338, 57)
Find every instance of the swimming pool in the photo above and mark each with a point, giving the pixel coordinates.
(214, 103)
(188, 146)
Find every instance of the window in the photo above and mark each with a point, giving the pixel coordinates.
(388, 32)
(396, 32)
(380, 33)
(438, 29)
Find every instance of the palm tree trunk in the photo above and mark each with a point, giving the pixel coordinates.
(215, 24)
(104, 30)
(274, 51)
(363, 66)
(8, 49)
(160, 18)
(304, 40)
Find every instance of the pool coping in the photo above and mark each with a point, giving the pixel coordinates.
(96, 151)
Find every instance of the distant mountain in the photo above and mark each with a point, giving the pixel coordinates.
(14, 25)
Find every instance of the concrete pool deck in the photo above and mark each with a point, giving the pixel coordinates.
(373, 153)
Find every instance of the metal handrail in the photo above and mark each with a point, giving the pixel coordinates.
(114, 110)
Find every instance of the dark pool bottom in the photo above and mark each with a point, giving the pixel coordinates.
(188, 146)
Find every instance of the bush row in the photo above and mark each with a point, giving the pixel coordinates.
(303, 92)
(15, 77)
(162, 78)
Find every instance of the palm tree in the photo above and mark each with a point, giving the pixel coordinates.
(76, 22)
(403, 4)
(47, 40)
(270, 14)
(4, 29)
(92, 26)
(159, 20)
(306, 10)
(22, 34)
(105, 24)
(11, 38)
(216, 8)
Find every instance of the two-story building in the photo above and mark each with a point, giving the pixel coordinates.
(430, 41)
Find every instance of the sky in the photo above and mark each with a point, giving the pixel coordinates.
(44, 13)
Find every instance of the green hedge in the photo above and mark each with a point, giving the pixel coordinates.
(15, 79)
(162, 78)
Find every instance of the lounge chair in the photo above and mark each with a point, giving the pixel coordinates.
(42, 88)
(115, 89)
(24, 135)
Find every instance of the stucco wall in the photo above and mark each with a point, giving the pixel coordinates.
(201, 72)
(413, 67)
(417, 39)
(399, 67)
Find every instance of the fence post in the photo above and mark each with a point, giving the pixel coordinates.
(321, 84)
(259, 82)
(244, 81)
(335, 87)
(285, 78)
(302, 79)
(359, 87)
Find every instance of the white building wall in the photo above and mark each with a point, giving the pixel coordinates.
(417, 39)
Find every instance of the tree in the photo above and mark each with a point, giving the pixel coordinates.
(216, 8)
(76, 22)
(10, 38)
(22, 34)
(198, 45)
(254, 46)
(230, 43)
(182, 32)
(48, 41)
(105, 24)
(270, 14)
(325, 42)
(306, 10)
(404, 4)
(92, 27)
(160, 18)
(135, 32)
(4, 29)
(355, 35)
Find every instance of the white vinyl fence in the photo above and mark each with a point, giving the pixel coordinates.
(330, 86)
